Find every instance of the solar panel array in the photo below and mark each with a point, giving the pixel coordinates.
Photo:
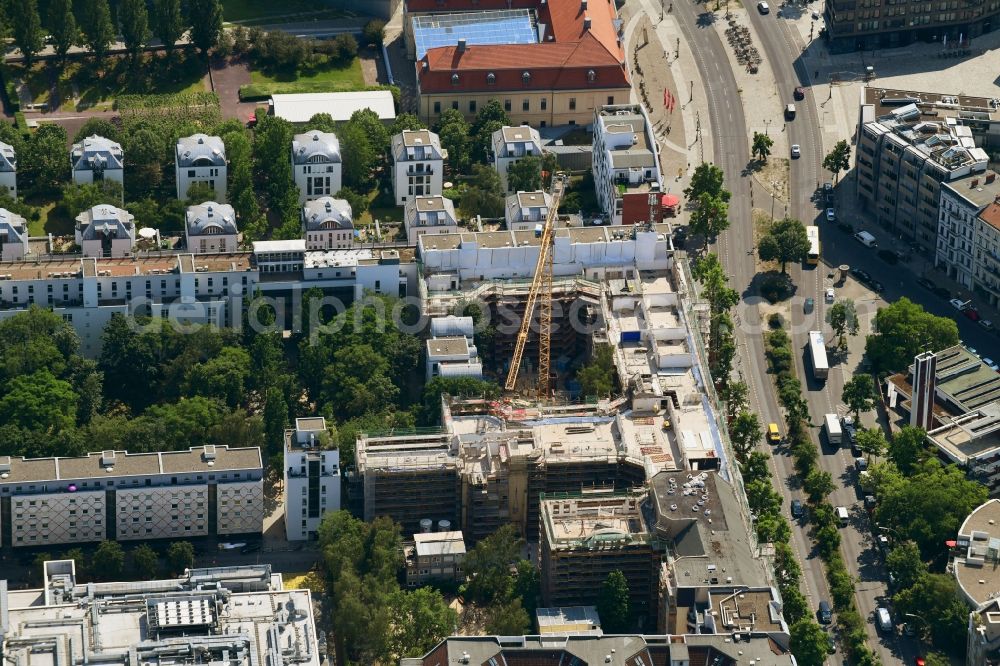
(506, 26)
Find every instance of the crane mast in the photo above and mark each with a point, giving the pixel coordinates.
(540, 293)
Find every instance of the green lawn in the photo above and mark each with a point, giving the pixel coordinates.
(242, 10)
(328, 79)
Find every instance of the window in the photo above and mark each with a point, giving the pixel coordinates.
(472, 106)
(454, 105)
(454, 79)
(491, 78)
(611, 99)
(591, 75)
(437, 107)
(526, 105)
(545, 103)
(506, 107)
(526, 78)
(572, 103)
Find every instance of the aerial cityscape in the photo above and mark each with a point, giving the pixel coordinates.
(500, 332)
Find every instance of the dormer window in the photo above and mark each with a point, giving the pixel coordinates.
(591, 75)
(526, 78)
(454, 79)
(491, 78)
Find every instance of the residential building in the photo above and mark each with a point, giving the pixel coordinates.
(983, 641)
(429, 215)
(909, 144)
(204, 491)
(960, 250)
(312, 477)
(210, 228)
(434, 556)
(978, 548)
(13, 236)
(96, 158)
(452, 356)
(626, 165)
(853, 27)
(987, 254)
(200, 158)
(568, 621)
(299, 108)
(547, 63)
(586, 537)
(625, 650)
(418, 164)
(204, 616)
(524, 211)
(316, 164)
(8, 169)
(511, 144)
(105, 231)
(328, 224)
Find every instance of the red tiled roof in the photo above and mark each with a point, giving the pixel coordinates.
(561, 64)
(991, 215)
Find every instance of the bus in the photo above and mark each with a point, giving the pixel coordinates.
(817, 352)
(812, 233)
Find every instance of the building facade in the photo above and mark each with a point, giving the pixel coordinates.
(8, 169)
(316, 164)
(626, 165)
(960, 250)
(95, 159)
(210, 228)
(511, 144)
(434, 556)
(120, 496)
(418, 165)
(328, 224)
(13, 236)
(524, 211)
(312, 477)
(200, 158)
(429, 215)
(105, 231)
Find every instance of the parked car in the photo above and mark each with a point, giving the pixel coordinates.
(232, 546)
(808, 306)
(888, 256)
(799, 93)
(763, 8)
(830, 295)
(824, 613)
(971, 313)
(831, 644)
(991, 364)
(876, 286)
(959, 304)
(831, 215)
(860, 275)
(797, 510)
(252, 548)
(860, 464)
(941, 292)
(925, 283)
(796, 150)
(986, 323)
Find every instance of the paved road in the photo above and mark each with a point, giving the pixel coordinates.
(732, 154)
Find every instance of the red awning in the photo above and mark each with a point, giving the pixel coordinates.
(669, 200)
(951, 544)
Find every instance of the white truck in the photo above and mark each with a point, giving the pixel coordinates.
(833, 432)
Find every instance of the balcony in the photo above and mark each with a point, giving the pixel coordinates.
(413, 171)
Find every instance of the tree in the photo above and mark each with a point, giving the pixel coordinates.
(711, 216)
(180, 556)
(904, 330)
(527, 586)
(707, 179)
(199, 192)
(405, 121)
(98, 30)
(487, 566)
(145, 561)
(838, 159)
(755, 467)
(597, 378)
(843, 318)
(26, 27)
(109, 560)
(808, 643)
(525, 175)
(39, 402)
(168, 22)
(205, 19)
(484, 195)
(785, 240)
(709, 271)
(859, 395)
(935, 599)
(429, 413)
(44, 159)
(421, 619)
(745, 433)
(100, 127)
(871, 441)
(908, 448)
(761, 146)
(374, 129)
(77, 198)
(62, 26)
(374, 32)
(905, 564)
(134, 23)
(453, 131)
(736, 396)
(345, 47)
(819, 484)
(613, 604)
(359, 157)
(223, 377)
(507, 619)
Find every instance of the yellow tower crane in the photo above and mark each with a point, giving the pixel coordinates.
(540, 293)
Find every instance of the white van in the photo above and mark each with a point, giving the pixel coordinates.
(834, 434)
(865, 239)
(884, 620)
(842, 515)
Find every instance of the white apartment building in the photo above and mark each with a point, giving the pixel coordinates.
(105, 231)
(960, 250)
(8, 169)
(328, 224)
(210, 228)
(524, 211)
(626, 163)
(206, 490)
(451, 350)
(96, 158)
(316, 164)
(13, 236)
(511, 144)
(418, 164)
(312, 477)
(429, 215)
(237, 615)
(200, 158)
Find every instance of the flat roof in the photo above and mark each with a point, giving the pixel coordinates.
(291, 245)
(300, 107)
(977, 573)
(886, 100)
(575, 620)
(121, 267)
(969, 435)
(979, 189)
(439, 543)
(449, 346)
